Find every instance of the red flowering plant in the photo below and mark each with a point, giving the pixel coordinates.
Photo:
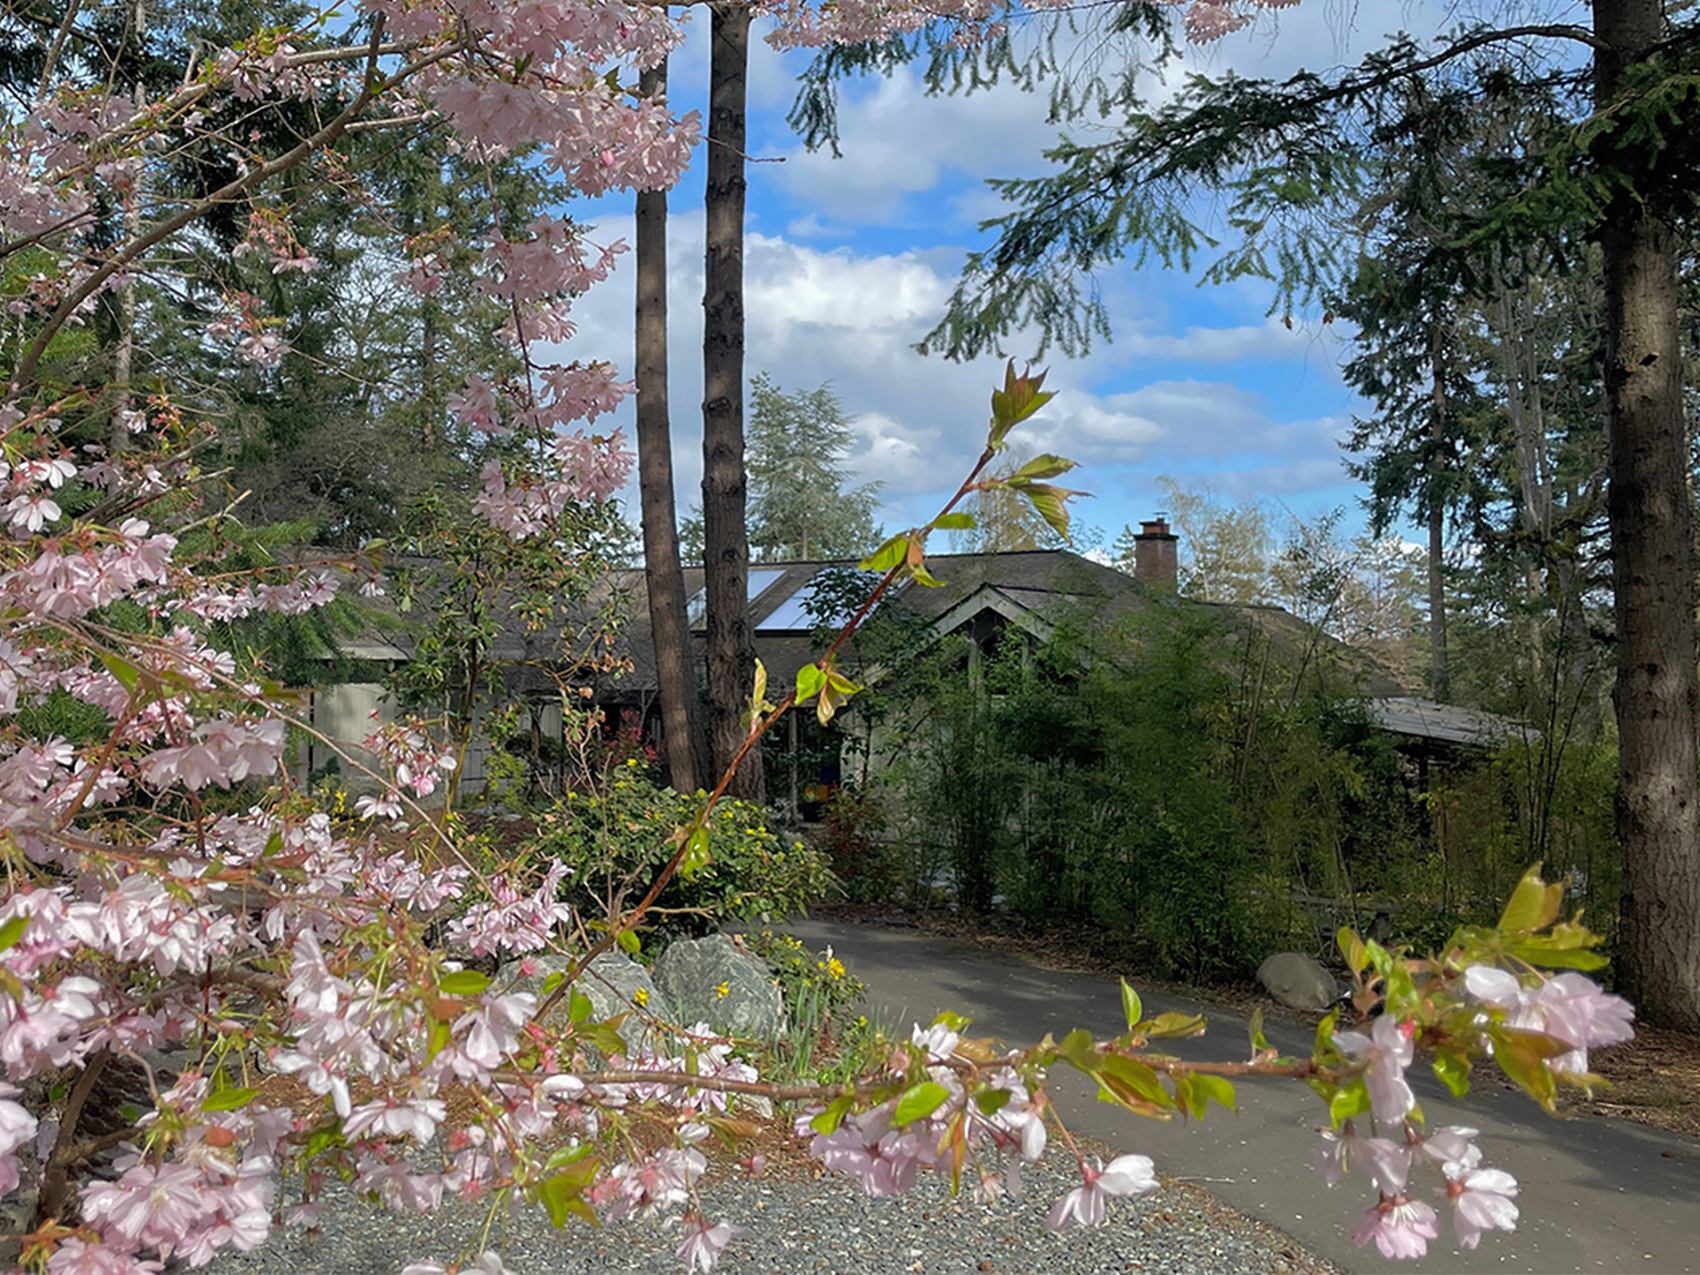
(270, 976)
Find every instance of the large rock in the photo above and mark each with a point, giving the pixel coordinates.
(612, 981)
(712, 981)
(1298, 981)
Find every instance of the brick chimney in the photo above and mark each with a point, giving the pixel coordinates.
(1154, 554)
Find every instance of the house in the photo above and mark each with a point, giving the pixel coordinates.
(983, 597)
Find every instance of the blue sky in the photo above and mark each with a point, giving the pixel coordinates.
(849, 261)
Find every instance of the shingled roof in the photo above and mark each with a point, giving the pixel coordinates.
(1037, 589)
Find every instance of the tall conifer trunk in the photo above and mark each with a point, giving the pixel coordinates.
(1439, 676)
(726, 545)
(1657, 695)
(662, 574)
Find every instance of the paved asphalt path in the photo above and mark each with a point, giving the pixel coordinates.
(1597, 1195)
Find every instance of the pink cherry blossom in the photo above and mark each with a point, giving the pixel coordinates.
(1385, 1053)
(1401, 1227)
(1481, 1201)
(704, 1243)
(1125, 1175)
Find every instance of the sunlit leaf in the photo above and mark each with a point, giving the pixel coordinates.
(919, 1101)
(463, 983)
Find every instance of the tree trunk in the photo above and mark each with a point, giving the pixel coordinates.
(663, 577)
(726, 545)
(1439, 679)
(1656, 696)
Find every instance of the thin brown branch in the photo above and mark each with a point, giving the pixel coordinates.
(372, 87)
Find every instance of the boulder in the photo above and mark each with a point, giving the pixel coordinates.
(715, 982)
(1298, 981)
(612, 982)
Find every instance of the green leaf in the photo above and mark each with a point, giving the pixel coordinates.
(442, 1033)
(697, 856)
(128, 675)
(760, 696)
(1019, 399)
(1325, 1034)
(579, 1007)
(1540, 950)
(1453, 1069)
(1077, 1048)
(1352, 949)
(630, 942)
(991, 1101)
(954, 522)
(605, 1036)
(12, 931)
(1132, 1009)
(1523, 1056)
(826, 1122)
(563, 1195)
(229, 1099)
(888, 555)
(1132, 1084)
(1051, 504)
(1352, 1100)
(1041, 467)
(1218, 1089)
(463, 983)
(553, 981)
(567, 1155)
(1254, 1030)
(810, 678)
(1175, 1024)
(919, 1101)
(1534, 904)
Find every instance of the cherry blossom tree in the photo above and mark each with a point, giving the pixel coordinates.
(292, 994)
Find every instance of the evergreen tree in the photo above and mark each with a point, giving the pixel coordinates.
(800, 501)
(1292, 160)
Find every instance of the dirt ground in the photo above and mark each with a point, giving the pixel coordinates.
(1655, 1080)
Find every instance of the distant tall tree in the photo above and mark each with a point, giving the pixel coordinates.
(1224, 550)
(1004, 521)
(801, 504)
(726, 546)
(687, 760)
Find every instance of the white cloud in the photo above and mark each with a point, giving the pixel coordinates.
(817, 315)
(898, 142)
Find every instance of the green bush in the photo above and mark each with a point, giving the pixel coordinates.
(618, 836)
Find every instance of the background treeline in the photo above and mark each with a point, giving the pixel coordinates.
(1186, 783)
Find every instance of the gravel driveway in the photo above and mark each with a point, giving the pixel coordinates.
(800, 1226)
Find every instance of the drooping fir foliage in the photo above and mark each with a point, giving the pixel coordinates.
(1292, 166)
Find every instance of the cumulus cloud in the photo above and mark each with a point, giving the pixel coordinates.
(851, 318)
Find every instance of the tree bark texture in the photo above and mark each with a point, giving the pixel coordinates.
(1657, 696)
(1439, 676)
(726, 545)
(663, 576)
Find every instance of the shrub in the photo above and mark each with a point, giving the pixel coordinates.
(616, 836)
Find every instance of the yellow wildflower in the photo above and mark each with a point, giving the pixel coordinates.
(835, 967)
(724, 990)
(641, 997)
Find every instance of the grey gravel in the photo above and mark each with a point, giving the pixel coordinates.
(823, 1226)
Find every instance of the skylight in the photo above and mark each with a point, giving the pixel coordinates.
(761, 579)
(793, 614)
